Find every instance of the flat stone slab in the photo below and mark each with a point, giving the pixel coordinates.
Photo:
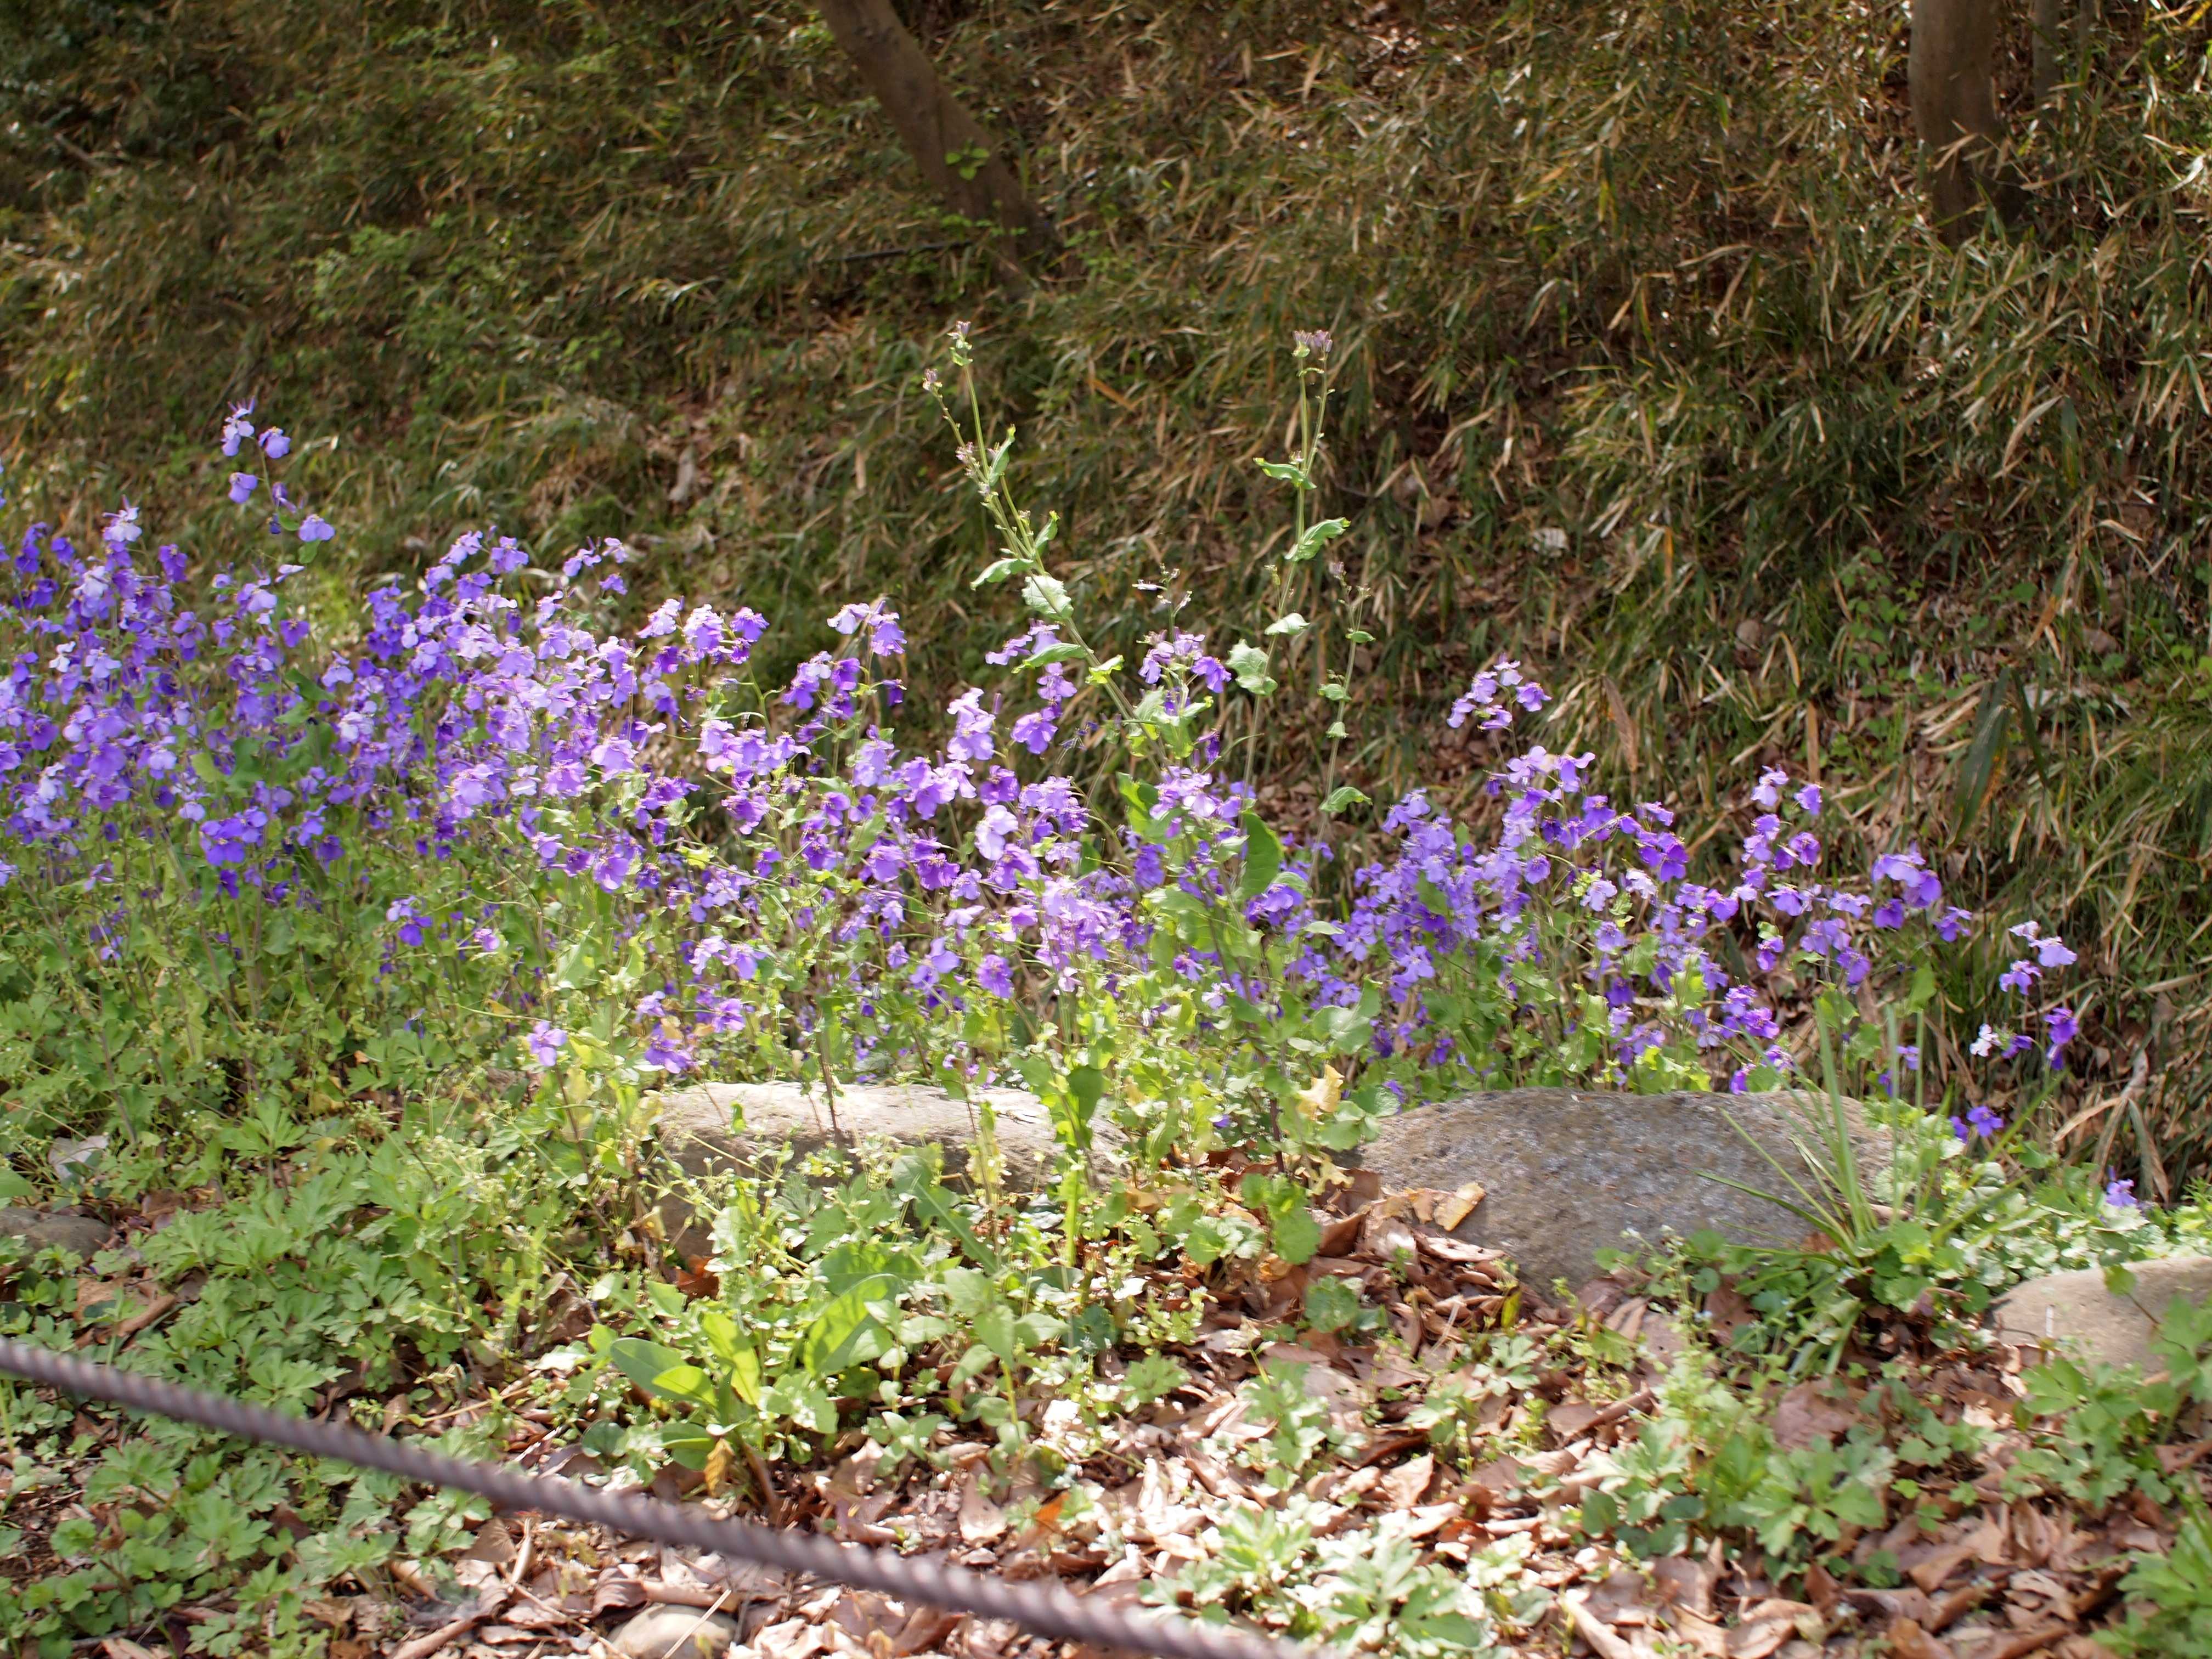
(2075, 1308)
(714, 1126)
(79, 1235)
(1568, 1172)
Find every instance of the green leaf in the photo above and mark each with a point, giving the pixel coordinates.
(1330, 1305)
(995, 1329)
(1978, 768)
(661, 1372)
(741, 1367)
(1293, 623)
(1339, 798)
(848, 1332)
(1249, 664)
(1263, 857)
(1296, 1234)
(968, 1291)
(1066, 651)
(1316, 538)
(1046, 596)
(805, 1403)
(1000, 570)
(1289, 471)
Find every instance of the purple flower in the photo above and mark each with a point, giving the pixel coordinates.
(545, 1042)
(2063, 1028)
(1034, 732)
(274, 444)
(314, 529)
(243, 484)
(122, 527)
(995, 976)
(2121, 1195)
(236, 428)
(1809, 798)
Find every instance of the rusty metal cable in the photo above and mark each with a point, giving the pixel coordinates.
(1049, 1609)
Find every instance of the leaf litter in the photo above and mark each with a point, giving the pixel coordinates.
(1405, 1446)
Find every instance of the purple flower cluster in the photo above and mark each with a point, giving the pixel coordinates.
(487, 776)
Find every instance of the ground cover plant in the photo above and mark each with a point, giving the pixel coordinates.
(346, 947)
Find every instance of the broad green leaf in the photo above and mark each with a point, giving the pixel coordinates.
(996, 1330)
(1330, 1305)
(1293, 623)
(998, 570)
(1316, 538)
(967, 1291)
(1046, 596)
(1344, 795)
(1263, 857)
(1296, 1234)
(1249, 664)
(848, 1332)
(660, 1372)
(1066, 651)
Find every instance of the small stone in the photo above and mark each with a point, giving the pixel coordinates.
(691, 1633)
(80, 1235)
(2075, 1308)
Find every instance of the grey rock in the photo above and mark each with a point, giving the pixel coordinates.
(724, 1125)
(1568, 1172)
(652, 1633)
(744, 1126)
(2075, 1309)
(80, 1235)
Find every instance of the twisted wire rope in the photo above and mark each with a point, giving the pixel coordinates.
(1049, 1609)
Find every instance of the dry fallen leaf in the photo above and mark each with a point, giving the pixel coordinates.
(1805, 1415)
(1570, 1421)
(1451, 1211)
(1407, 1484)
(1768, 1625)
(1687, 1582)
(980, 1520)
(1385, 1237)
(1428, 1518)
(1707, 1638)
(1592, 1630)
(1908, 1641)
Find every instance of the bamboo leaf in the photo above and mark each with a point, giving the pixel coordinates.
(1978, 769)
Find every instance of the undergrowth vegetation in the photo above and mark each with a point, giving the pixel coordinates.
(345, 956)
(1648, 374)
(1511, 555)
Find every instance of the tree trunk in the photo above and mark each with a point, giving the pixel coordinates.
(2045, 18)
(970, 172)
(1953, 70)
